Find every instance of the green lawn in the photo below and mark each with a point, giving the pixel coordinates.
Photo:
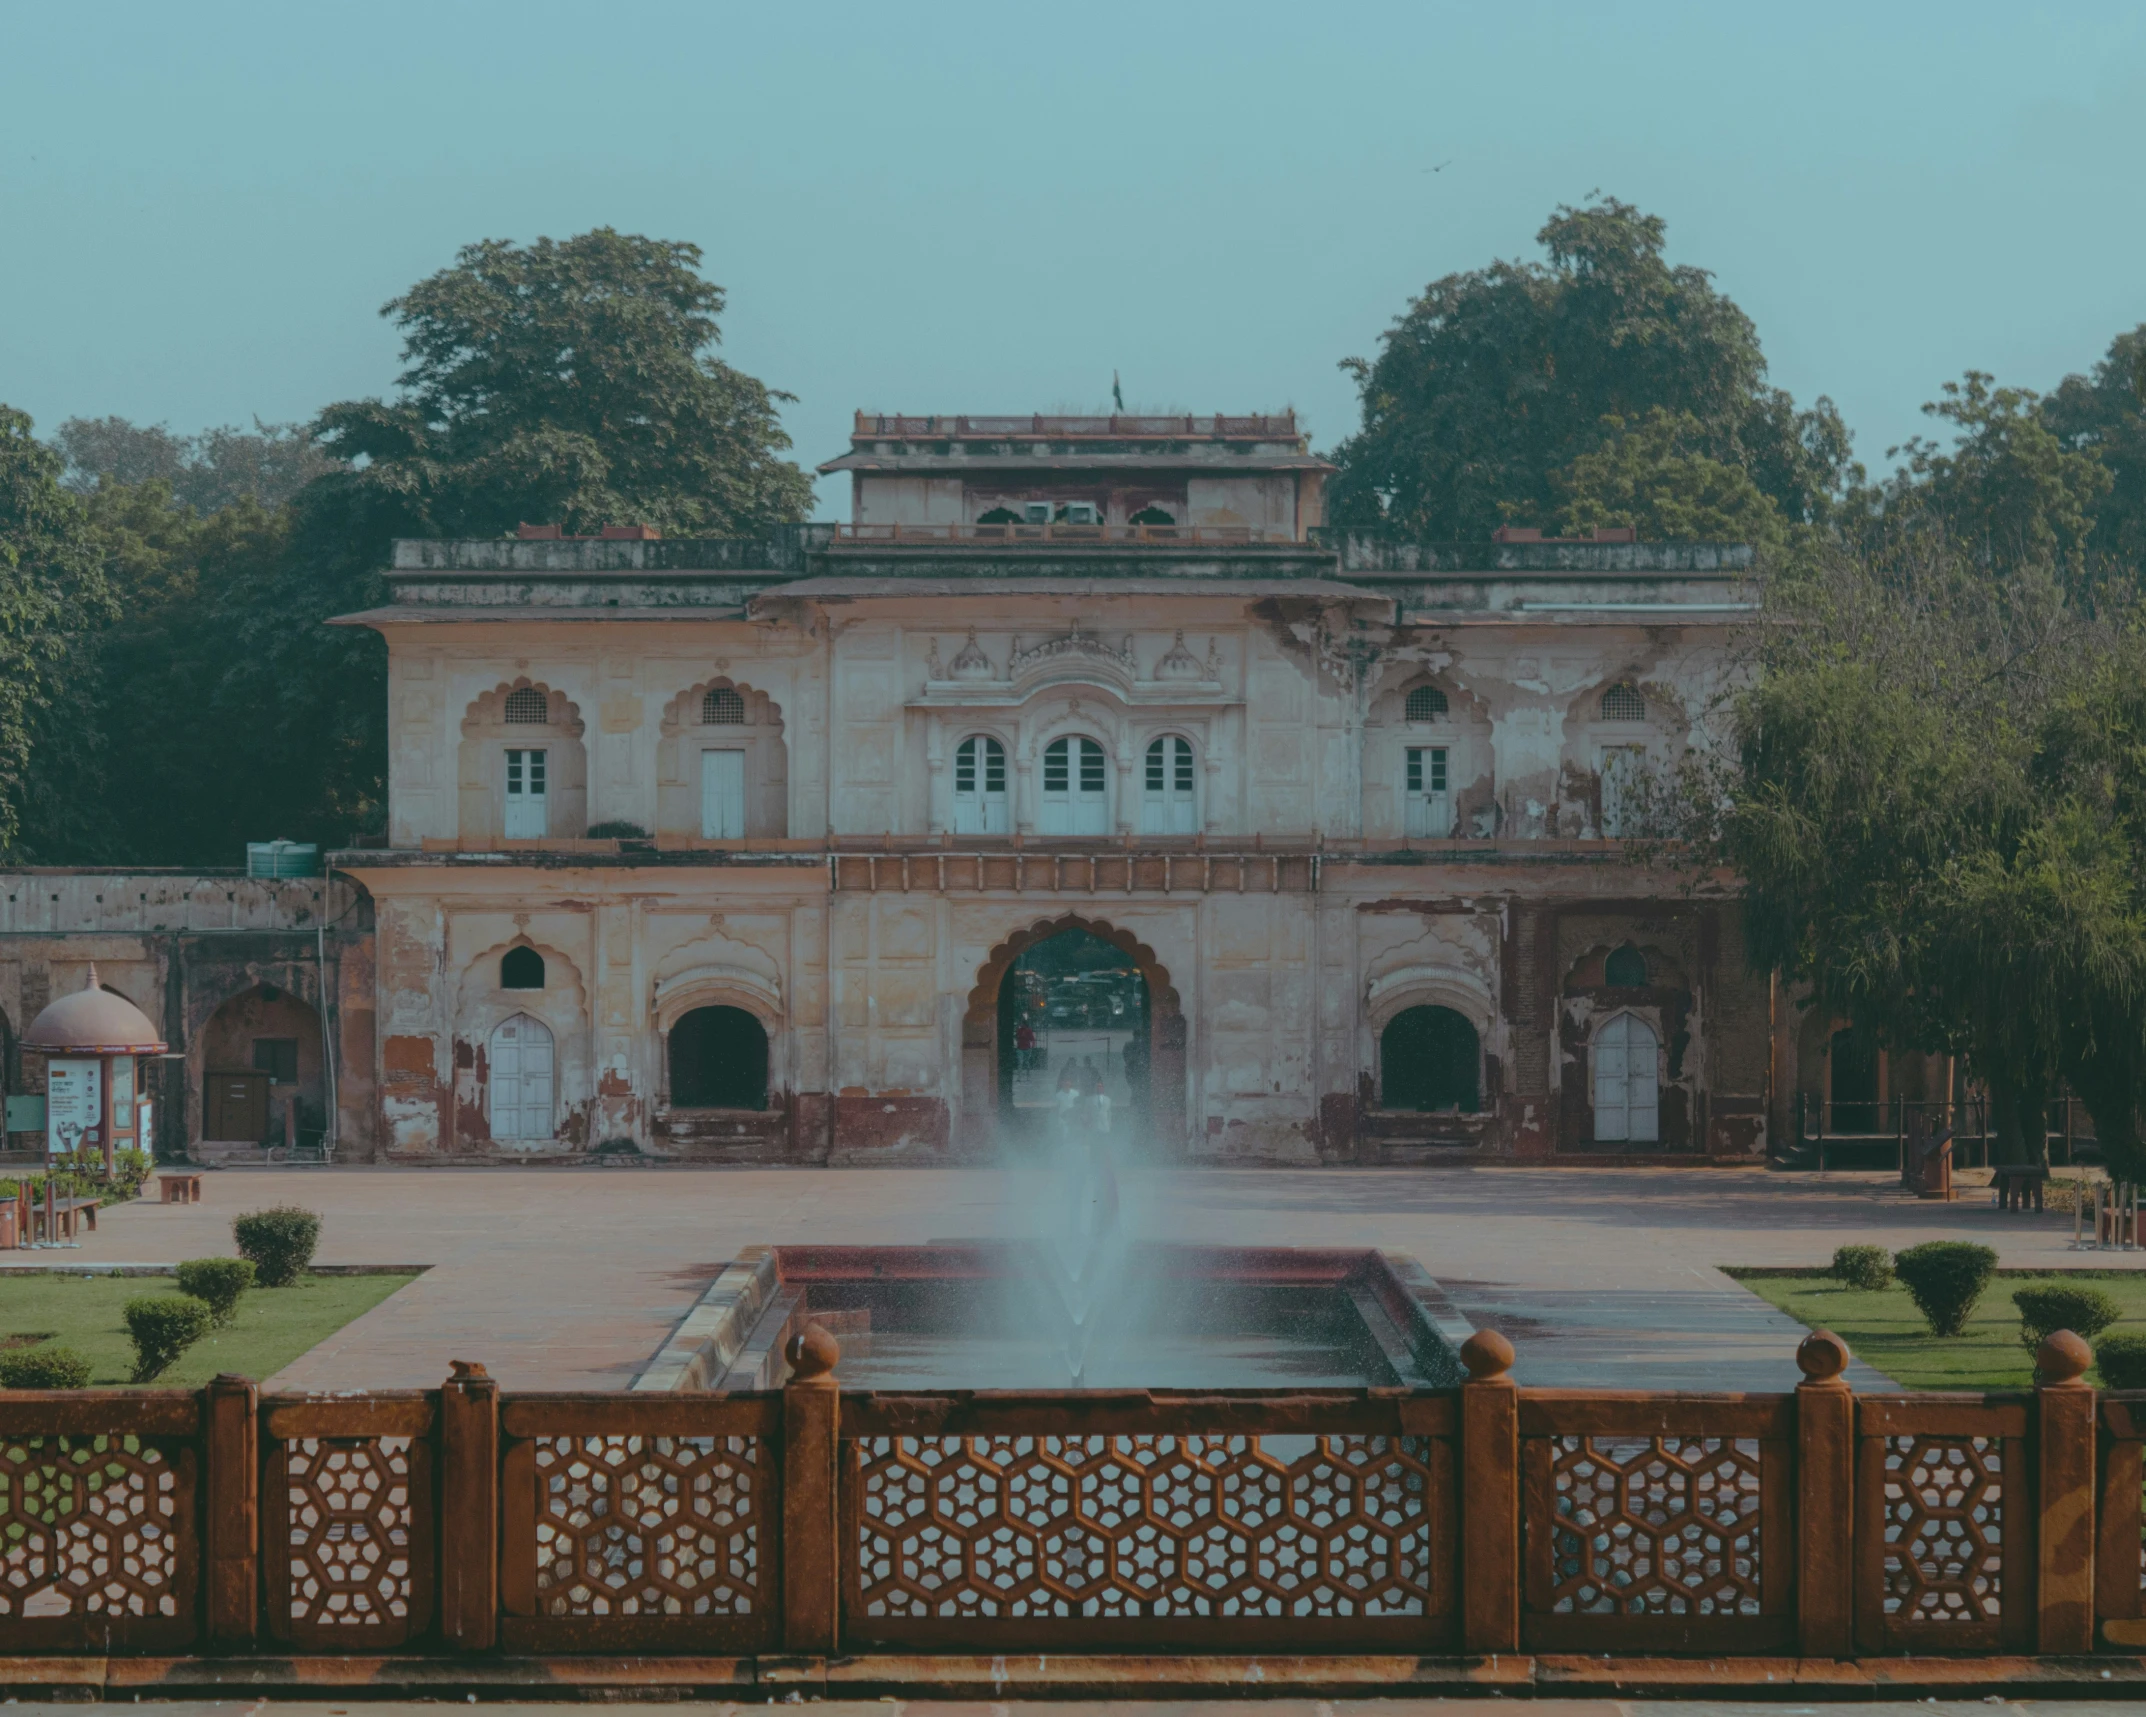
(272, 1328)
(1885, 1330)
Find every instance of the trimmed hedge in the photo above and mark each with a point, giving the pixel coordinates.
(2122, 1360)
(1869, 1267)
(163, 1327)
(43, 1367)
(279, 1241)
(2086, 1312)
(217, 1281)
(1945, 1278)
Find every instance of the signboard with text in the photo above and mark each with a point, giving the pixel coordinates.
(74, 1105)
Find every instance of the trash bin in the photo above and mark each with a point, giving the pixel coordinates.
(8, 1242)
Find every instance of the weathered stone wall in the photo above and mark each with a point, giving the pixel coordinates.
(213, 959)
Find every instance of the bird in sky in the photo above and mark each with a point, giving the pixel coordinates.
(1440, 168)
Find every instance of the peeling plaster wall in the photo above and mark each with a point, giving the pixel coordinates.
(1294, 705)
(181, 946)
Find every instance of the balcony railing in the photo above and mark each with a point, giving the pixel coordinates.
(810, 1521)
(1260, 426)
(1052, 536)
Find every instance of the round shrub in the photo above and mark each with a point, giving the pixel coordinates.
(163, 1327)
(218, 1282)
(43, 1367)
(1945, 1278)
(2122, 1360)
(2085, 1311)
(280, 1242)
(1868, 1267)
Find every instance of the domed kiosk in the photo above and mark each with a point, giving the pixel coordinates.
(91, 1041)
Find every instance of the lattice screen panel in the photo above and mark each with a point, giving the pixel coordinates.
(1943, 1512)
(96, 1541)
(650, 1526)
(353, 1522)
(1310, 1528)
(1656, 1526)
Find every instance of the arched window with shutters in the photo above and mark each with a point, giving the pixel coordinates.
(1426, 703)
(980, 787)
(1076, 788)
(1168, 801)
(1427, 790)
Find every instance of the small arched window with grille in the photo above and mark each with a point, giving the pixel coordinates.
(526, 703)
(1623, 703)
(722, 707)
(1426, 703)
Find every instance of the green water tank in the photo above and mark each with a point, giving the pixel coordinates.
(282, 858)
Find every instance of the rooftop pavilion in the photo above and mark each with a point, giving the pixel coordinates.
(1040, 482)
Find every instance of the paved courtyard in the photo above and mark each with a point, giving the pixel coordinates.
(571, 1278)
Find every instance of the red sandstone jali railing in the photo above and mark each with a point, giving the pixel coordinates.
(814, 1521)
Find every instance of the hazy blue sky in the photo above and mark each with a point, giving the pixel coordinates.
(946, 208)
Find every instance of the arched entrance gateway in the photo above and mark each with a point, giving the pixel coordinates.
(1073, 999)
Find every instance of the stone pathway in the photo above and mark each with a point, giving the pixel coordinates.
(571, 1278)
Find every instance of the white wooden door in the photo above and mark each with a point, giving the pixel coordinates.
(1076, 788)
(1427, 792)
(980, 787)
(521, 1081)
(527, 795)
(1167, 804)
(722, 795)
(1627, 1081)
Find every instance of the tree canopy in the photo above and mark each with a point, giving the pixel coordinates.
(567, 382)
(54, 597)
(1933, 797)
(1496, 382)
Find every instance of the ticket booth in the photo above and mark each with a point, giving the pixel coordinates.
(96, 1095)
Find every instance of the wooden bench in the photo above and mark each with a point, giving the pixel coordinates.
(2016, 1182)
(179, 1188)
(67, 1215)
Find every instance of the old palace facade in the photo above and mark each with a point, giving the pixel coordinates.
(728, 848)
(1082, 753)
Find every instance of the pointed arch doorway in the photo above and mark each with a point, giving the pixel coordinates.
(1094, 1002)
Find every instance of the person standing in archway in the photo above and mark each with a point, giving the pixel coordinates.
(1099, 1107)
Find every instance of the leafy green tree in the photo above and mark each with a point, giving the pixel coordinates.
(2105, 414)
(565, 382)
(1654, 477)
(269, 464)
(1925, 838)
(2010, 488)
(53, 600)
(1497, 381)
(568, 382)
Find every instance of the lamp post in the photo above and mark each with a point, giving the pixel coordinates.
(93, 1042)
